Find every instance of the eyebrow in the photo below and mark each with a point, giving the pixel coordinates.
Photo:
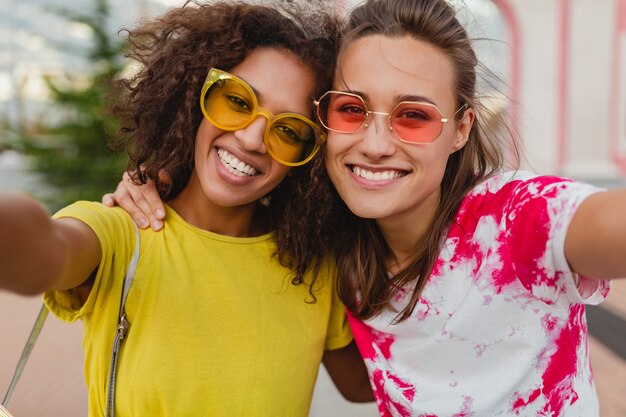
(397, 99)
(256, 92)
(259, 98)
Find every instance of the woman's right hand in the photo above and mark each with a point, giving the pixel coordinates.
(142, 202)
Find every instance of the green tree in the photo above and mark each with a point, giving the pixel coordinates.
(74, 156)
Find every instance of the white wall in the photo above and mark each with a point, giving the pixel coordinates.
(567, 84)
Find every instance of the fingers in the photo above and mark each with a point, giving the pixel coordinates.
(142, 202)
(108, 200)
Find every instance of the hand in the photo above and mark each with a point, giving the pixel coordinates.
(142, 202)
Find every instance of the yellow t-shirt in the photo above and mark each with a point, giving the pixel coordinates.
(217, 328)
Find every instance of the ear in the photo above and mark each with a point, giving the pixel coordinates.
(463, 129)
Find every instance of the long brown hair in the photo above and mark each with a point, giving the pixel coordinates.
(361, 251)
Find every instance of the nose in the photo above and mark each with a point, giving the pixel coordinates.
(377, 141)
(251, 136)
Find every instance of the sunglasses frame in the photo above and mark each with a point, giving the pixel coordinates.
(215, 75)
(366, 119)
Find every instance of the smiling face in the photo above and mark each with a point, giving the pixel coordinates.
(376, 174)
(233, 170)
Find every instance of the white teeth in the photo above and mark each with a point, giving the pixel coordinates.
(376, 176)
(234, 165)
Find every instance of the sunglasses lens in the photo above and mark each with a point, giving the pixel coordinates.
(291, 139)
(340, 112)
(229, 104)
(416, 122)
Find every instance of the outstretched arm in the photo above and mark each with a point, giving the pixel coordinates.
(142, 202)
(38, 253)
(595, 244)
(349, 374)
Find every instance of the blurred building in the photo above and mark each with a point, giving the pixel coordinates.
(568, 72)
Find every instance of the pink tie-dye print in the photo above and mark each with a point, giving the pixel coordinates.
(380, 347)
(500, 329)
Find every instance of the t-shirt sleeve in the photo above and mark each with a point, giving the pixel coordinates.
(538, 214)
(116, 233)
(338, 334)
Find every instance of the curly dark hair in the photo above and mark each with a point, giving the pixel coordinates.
(158, 107)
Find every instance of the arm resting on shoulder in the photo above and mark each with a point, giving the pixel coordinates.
(142, 202)
(595, 244)
(38, 253)
(349, 374)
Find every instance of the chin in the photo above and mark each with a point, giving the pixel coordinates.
(367, 210)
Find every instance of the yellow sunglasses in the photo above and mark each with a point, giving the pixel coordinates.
(230, 104)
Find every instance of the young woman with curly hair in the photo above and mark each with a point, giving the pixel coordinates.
(222, 102)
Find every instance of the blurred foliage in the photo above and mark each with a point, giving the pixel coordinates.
(73, 155)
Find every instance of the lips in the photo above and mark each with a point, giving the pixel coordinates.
(234, 165)
(383, 175)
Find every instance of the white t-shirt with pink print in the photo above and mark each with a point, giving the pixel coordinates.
(500, 328)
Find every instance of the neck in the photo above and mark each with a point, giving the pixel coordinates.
(239, 221)
(404, 231)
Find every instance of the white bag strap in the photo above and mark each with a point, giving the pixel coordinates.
(28, 348)
(123, 326)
